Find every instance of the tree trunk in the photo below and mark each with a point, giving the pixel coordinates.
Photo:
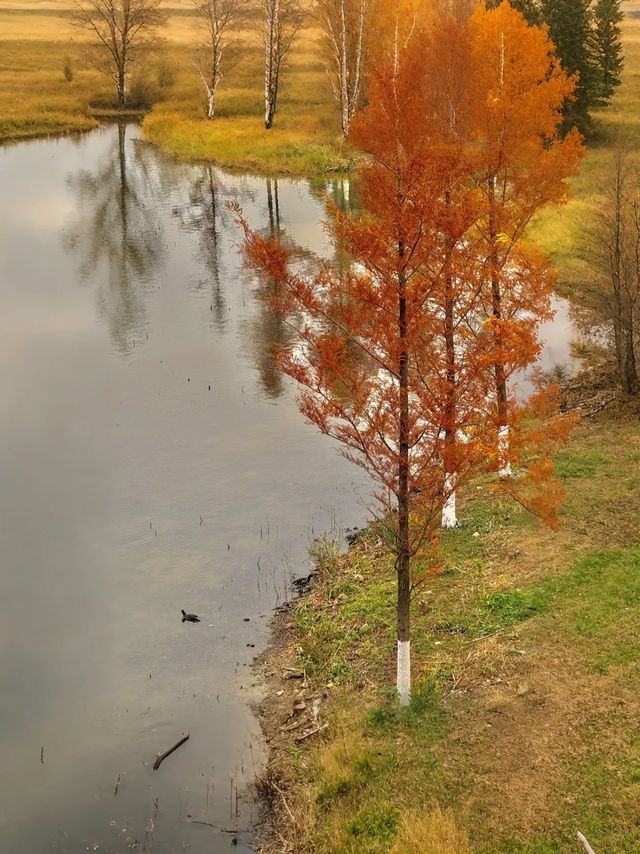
(403, 547)
(272, 46)
(630, 375)
(504, 469)
(449, 516)
(344, 72)
(122, 86)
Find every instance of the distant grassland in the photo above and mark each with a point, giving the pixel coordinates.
(35, 100)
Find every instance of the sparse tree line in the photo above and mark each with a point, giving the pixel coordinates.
(124, 31)
(411, 358)
(586, 35)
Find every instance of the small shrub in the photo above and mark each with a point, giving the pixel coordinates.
(325, 556)
(143, 92)
(165, 74)
(67, 70)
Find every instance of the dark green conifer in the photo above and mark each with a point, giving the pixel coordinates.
(607, 44)
(570, 28)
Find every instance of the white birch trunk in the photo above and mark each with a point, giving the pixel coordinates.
(210, 90)
(449, 515)
(344, 71)
(404, 673)
(272, 48)
(503, 452)
(355, 93)
(267, 69)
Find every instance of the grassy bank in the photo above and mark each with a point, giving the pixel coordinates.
(35, 98)
(524, 724)
(305, 138)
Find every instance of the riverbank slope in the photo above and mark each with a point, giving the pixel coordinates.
(524, 723)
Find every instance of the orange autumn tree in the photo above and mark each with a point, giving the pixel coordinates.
(512, 121)
(368, 352)
(480, 347)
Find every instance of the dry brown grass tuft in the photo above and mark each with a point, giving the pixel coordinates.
(433, 832)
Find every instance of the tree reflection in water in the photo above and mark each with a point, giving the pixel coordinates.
(266, 332)
(116, 231)
(206, 215)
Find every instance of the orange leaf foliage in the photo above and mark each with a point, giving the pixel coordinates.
(460, 135)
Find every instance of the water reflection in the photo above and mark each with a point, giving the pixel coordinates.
(205, 213)
(267, 331)
(116, 230)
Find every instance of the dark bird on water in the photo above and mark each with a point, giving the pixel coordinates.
(189, 618)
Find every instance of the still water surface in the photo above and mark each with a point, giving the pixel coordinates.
(151, 459)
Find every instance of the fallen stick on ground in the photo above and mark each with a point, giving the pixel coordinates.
(160, 757)
(585, 843)
(286, 805)
(312, 732)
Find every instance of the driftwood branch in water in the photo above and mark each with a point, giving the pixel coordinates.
(160, 757)
(585, 844)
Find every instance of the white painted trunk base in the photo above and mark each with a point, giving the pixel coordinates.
(503, 452)
(449, 515)
(404, 672)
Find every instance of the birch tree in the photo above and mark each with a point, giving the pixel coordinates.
(281, 22)
(343, 23)
(121, 32)
(218, 52)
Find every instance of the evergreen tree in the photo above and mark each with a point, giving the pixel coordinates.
(607, 37)
(570, 28)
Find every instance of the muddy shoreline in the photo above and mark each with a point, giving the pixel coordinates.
(291, 712)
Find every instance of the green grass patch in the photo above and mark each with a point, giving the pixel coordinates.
(526, 642)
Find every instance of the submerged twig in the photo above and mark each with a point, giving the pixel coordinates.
(160, 757)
